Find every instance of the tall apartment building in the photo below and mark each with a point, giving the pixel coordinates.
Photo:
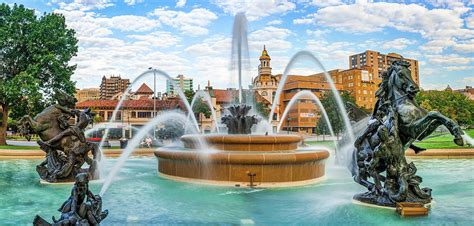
(112, 86)
(380, 62)
(87, 94)
(181, 81)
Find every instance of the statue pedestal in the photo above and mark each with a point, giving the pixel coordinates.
(383, 201)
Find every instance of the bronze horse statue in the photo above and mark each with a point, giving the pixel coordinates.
(415, 122)
(64, 143)
(396, 122)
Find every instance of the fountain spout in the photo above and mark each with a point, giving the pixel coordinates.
(238, 122)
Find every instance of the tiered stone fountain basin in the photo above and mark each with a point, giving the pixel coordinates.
(273, 160)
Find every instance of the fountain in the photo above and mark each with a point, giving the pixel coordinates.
(242, 159)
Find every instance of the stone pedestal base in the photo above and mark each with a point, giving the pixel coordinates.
(372, 199)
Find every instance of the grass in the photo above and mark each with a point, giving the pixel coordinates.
(326, 143)
(16, 147)
(442, 141)
(435, 141)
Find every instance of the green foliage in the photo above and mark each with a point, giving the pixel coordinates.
(189, 95)
(451, 104)
(201, 107)
(334, 115)
(34, 57)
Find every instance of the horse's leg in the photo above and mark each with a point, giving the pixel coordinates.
(426, 125)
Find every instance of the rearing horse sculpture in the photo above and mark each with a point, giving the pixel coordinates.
(415, 122)
(396, 122)
(65, 145)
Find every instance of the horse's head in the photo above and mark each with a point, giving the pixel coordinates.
(400, 79)
(65, 99)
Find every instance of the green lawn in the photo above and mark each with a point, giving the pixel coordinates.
(442, 141)
(16, 147)
(435, 141)
(321, 143)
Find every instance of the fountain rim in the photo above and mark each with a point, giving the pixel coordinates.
(244, 138)
(243, 158)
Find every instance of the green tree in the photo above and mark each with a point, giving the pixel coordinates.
(189, 95)
(334, 114)
(200, 109)
(451, 104)
(34, 57)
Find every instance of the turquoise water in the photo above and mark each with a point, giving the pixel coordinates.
(140, 197)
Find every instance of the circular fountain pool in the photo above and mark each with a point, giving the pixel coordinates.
(139, 197)
(243, 160)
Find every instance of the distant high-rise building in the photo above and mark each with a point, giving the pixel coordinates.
(112, 86)
(87, 94)
(379, 63)
(181, 81)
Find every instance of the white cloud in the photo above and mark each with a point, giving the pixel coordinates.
(324, 3)
(129, 23)
(158, 39)
(91, 24)
(399, 44)
(133, 2)
(256, 9)
(83, 4)
(193, 23)
(448, 59)
(459, 68)
(372, 17)
(275, 22)
(469, 81)
(272, 37)
(317, 33)
(180, 3)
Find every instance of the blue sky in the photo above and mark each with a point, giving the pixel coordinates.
(125, 37)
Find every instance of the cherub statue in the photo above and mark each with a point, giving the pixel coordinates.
(82, 207)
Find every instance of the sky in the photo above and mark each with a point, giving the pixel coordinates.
(126, 37)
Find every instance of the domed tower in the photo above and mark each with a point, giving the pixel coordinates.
(264, 67)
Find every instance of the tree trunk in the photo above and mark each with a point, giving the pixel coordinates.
(3, 124)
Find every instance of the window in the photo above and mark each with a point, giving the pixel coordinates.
(146, 114)
(134, 114)
(365, 91)
(264, 93)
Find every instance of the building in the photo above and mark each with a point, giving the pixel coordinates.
(87, 94)
(112, 86)
(361, 84)
(143, 92)
(303, 116)
(266, 84)
(132, 115)
(361, 80)
(468, 91)
(379, 63)
(181, 81)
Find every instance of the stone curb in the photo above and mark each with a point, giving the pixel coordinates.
(38, 154)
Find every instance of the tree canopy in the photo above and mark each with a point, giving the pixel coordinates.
(34, 60)
(329, 102)
(449, 103)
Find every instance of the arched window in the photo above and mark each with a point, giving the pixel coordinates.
(264, 93)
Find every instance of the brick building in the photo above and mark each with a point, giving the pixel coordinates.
(87, 94)
(110, 87)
